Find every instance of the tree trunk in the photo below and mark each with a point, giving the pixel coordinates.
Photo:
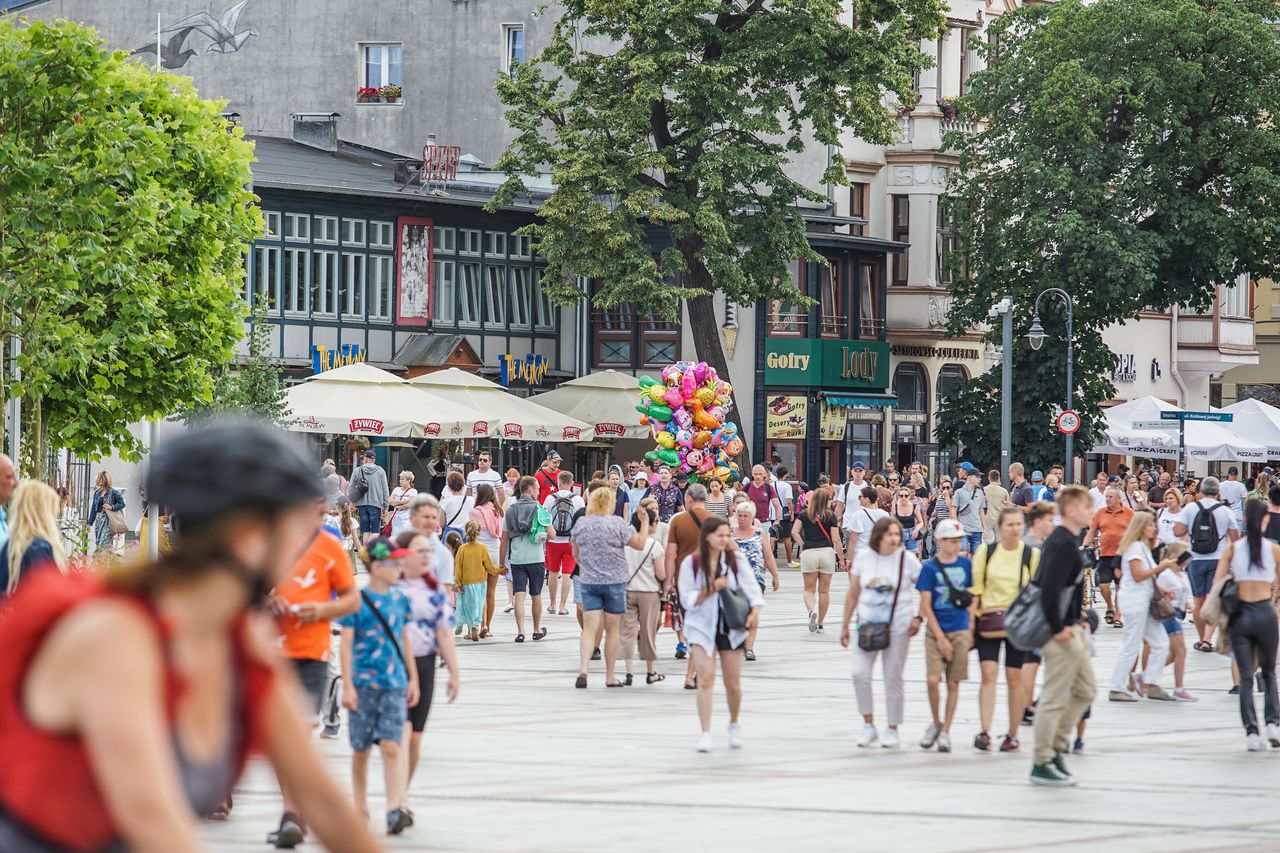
(37, 440)
(710, 348)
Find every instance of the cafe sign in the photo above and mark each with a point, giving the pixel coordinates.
(530, 369)
(828, 364)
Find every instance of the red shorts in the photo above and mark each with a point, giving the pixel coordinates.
(560, 558)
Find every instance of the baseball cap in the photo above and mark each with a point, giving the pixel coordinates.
(369, 454)
(858, 466)
(1267, 470)
(966, 466)
(1113, 479)
(948, 529)
(1037, 476)
(553, 455)
(682, 477)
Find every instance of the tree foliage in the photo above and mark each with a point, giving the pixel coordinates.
(124, 213)
(252, 387)
(680, 120)
(1129, 157)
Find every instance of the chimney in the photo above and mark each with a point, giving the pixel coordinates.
(317, 130)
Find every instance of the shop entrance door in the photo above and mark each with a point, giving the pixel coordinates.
(789, 456)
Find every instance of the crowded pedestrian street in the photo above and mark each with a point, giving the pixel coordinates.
(524, 762)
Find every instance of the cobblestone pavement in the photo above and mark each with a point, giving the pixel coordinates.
(524, 762)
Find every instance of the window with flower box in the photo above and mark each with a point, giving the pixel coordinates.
(381, 65)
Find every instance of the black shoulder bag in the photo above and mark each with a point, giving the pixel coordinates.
(874, 636)
(960, 598)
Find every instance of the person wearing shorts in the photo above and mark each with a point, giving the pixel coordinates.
(523, 551)
(559, 561)
(1109, 524)
(817, 530)
(945, 579)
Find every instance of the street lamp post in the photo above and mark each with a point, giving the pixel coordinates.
(1004, 309)
(1036, 336)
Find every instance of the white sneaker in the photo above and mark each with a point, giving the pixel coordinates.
(704, 742)
(944, 742)
(869, 735)
(1273, 734)
(890, 739)
(736, 740)
(930, 736)
(1254, 743)
(813, 621)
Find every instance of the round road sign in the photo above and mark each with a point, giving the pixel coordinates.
(1068, 421)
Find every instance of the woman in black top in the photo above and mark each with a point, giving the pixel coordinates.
(818, 532)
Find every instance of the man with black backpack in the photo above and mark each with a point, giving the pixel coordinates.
(565, 508)
(1211, 526)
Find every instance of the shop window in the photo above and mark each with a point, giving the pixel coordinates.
(864, 443)
(902, 234)
(870, 304)
(858, 194)
(951, 378)
(909, 386)
(830, 294)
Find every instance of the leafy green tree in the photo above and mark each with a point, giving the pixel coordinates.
(252, 386)
(677, 122)
(124, 212)
(1129, 156)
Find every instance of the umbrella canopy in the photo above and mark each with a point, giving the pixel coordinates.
(606, 400)
(359, 399)
(505, 414)
(1258, 422)
(1204, 440)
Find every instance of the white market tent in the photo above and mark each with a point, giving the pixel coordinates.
(1204, 441)
(1258, 422)
(360, 399)
(504, 414)
(606, 400)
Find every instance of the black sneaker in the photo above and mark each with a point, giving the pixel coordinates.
(595, 653)
(1029, 716)
(682, 651)
(398, 821)
(289, 835)
(1235, 690)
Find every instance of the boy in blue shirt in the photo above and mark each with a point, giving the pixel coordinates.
(947, 609)
(379, 680)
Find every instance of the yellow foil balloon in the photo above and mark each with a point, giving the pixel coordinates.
(665, 440)
(706, 395)
(721, 472)
(657, 392)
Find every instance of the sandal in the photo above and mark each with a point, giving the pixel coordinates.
(1202, 646)
(1110, 617)
(616, 684)
(581, 682)
(692, 685)
(629, 680)
(519, 638)
(1117, 624)
(654, 677)
(538, 635)
(750, 655)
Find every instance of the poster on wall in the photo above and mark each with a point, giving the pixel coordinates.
(413, 261)
(786, 416)
(832, 423)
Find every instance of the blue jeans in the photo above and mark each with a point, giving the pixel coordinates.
(972, 541)
(370, 519)
(609, 597)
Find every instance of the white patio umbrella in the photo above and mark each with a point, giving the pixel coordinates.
(505, 415)
(606, 400)
(1204, 440)
(360, 399)
(1258, 422)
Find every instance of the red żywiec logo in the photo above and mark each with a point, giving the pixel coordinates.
(512, 431)
(611, 429)
(366, 425)
(572, 433)
(480, 428)
(432, 430)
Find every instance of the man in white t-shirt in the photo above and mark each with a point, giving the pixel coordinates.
(1099, 491)
(565, 508)
(786, 499)
(483, 473)
(847, 495)
(1232, 493)
(864, 518)
(1204, 563)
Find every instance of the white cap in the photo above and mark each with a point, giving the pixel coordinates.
(948, 529)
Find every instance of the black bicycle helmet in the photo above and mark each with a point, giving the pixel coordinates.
(226, 466)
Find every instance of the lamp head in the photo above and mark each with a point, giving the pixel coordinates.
(1036, 334)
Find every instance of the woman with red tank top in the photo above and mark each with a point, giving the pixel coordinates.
(130, 702)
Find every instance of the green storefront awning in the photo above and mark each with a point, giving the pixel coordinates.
(878, 401)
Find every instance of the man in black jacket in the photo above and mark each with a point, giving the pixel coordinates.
(1069, 685)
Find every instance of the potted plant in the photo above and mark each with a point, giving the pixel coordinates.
(390, 93)
(367, 95)
(949, 108)
(909, 104)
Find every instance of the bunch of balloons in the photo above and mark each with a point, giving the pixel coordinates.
(685, 413)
